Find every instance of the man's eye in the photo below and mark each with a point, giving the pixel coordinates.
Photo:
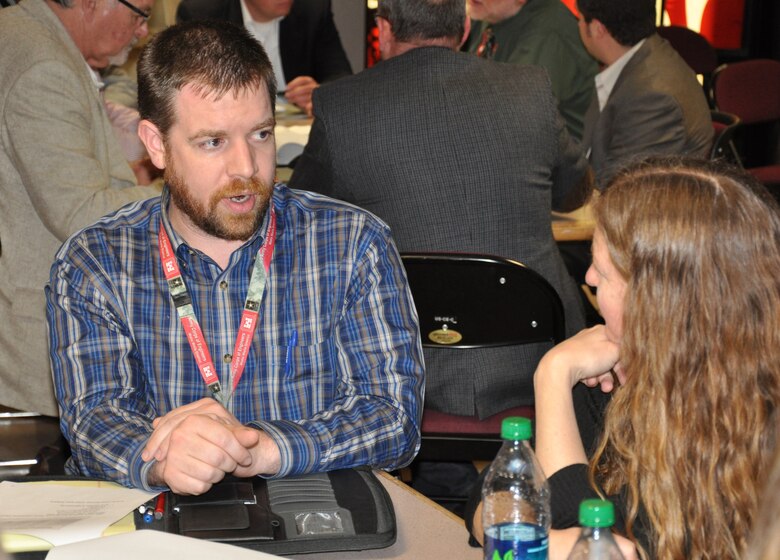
(263, 134)
(211, 143)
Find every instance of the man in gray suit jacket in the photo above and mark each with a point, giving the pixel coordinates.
(455, 153)
(648, 100)
(61, 167)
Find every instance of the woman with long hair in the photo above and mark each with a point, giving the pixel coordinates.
(670, 409)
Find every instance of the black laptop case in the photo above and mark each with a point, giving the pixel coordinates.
(340, 510)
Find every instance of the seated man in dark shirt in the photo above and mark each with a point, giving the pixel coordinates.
(543, 33)
(298, 35)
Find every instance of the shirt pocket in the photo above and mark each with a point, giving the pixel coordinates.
(309, 370)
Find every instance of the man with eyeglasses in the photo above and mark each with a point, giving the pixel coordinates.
(61, 166)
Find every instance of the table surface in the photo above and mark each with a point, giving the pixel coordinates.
(424, 530)
(573, 226)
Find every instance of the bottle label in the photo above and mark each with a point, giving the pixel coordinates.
(516, 541)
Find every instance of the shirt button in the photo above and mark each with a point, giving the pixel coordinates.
(226, 358)
(223, 285)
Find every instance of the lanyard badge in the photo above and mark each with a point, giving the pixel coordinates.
(249, 317)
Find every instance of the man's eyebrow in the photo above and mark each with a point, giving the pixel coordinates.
(270, 121)
(206, 133)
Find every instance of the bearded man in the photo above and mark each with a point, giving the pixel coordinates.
(230, 325)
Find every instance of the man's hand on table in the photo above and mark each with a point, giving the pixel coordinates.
(197, 444)
(299, 92)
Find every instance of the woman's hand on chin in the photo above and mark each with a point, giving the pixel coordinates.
(589, 356)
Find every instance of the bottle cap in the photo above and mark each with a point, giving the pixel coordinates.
(515, 428)
(597, 513)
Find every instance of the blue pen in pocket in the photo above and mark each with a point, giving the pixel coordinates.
(288, 360)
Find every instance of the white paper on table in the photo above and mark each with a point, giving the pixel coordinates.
(61, 513)
(156, 544)
(290, 141)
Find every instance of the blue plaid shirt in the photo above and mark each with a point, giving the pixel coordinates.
(352, 394)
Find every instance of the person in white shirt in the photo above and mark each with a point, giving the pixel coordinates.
(299, 36)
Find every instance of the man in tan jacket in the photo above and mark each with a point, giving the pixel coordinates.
(61, 167)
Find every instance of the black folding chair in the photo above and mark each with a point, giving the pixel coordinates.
(477, 301)
(724, 127)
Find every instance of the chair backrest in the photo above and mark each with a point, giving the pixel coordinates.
(724, 126)
(749, 89)
(478, 301)
(694, 48)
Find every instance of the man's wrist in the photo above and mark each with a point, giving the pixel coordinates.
(298, 451)
(139, 471)
(152, 476)
(266, 456)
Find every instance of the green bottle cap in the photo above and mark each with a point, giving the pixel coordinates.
(597, 513)
(515, 428)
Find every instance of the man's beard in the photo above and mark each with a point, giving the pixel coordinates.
(232, 227)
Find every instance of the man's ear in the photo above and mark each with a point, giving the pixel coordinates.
(152, 138)
(385, 36)
(466, 31)
(597, 28)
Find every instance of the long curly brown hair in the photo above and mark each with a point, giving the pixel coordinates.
(692, 431)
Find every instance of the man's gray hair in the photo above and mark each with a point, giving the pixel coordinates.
(413, 20)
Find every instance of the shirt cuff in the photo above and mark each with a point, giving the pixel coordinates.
(139, 470)
(298, 450)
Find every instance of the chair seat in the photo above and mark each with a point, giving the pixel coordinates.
(435, 422)
(448, 437)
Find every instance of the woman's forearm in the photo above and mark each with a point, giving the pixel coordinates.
(558, 442)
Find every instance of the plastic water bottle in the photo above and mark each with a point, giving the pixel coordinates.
(515, 499)
(596, 541)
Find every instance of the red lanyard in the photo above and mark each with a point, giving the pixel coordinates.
(183, 302)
